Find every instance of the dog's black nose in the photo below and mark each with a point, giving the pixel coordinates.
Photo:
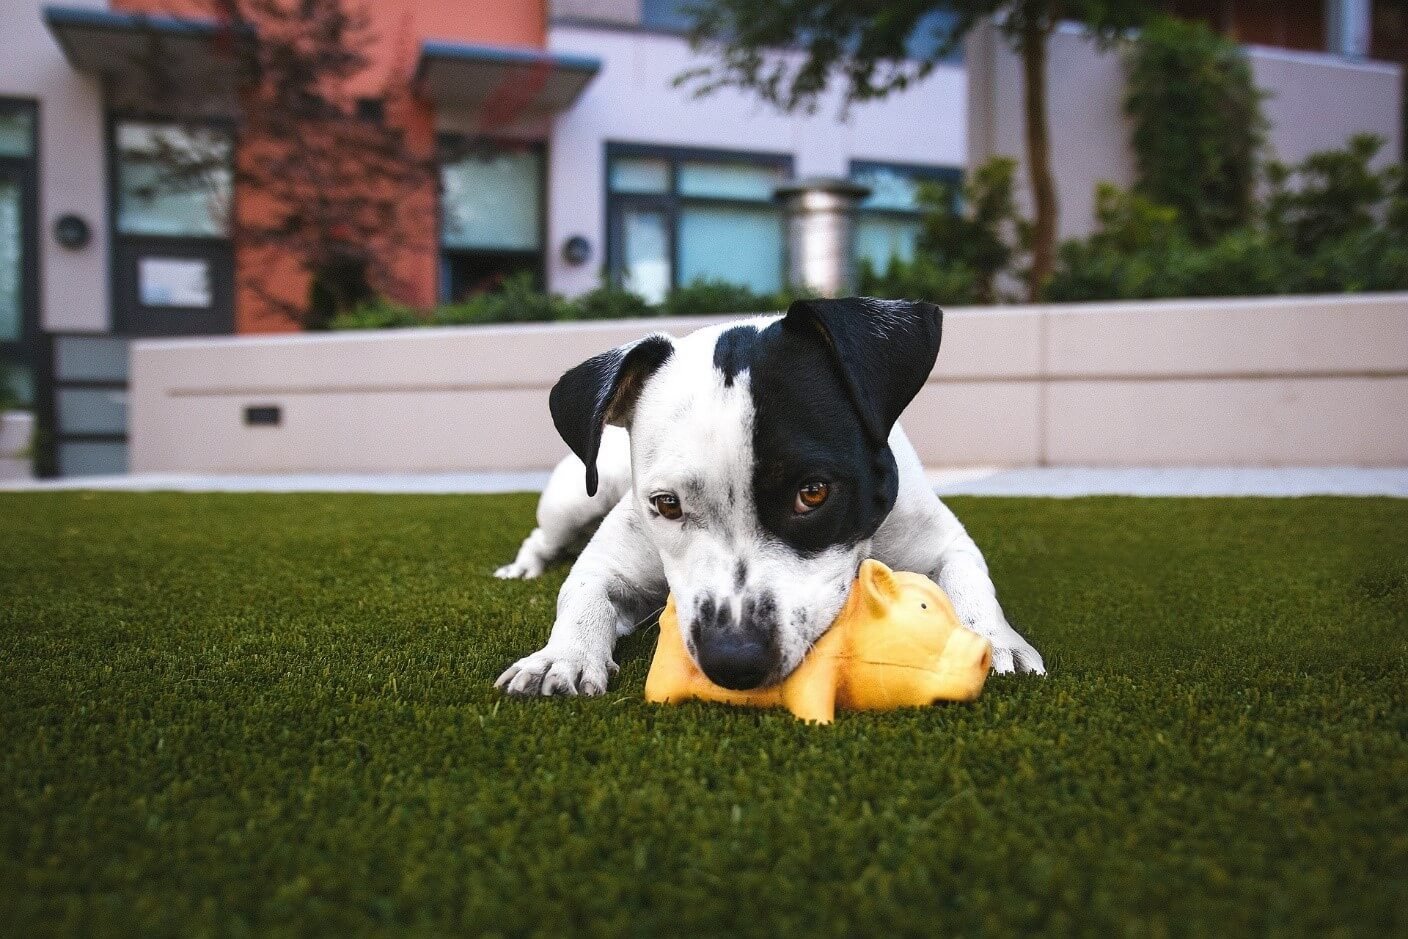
(736, 659)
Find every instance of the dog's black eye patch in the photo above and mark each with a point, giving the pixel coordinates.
(805, 426)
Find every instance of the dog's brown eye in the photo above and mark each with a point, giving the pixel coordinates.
(667, 504)
(811, 495)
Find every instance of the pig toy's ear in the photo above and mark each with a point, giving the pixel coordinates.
(878, 587)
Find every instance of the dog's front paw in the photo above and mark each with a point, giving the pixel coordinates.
(1019, 656)
(556, 672)
(519, 570)
(1010, 652)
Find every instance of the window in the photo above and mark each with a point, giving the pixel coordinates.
(173, 180)
(19, 314)
(16, 132)
(12, 258)
(672, 15)
(930, 35)
(888, 224)
(680, 216)
(491, 217)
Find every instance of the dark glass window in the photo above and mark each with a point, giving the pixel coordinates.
(680, 216)
(890, 219)
(667, 14)
(929, 37)
(173, 180)
(491, 217)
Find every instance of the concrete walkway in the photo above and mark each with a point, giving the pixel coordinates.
(1042, 481)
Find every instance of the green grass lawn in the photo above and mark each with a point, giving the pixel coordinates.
(242, 713)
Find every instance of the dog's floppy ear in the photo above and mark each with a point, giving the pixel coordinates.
(603, 390)
(885, 350)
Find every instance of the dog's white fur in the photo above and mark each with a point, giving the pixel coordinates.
(691, 429)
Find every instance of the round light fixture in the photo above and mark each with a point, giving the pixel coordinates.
(576, 250)
(72, 232)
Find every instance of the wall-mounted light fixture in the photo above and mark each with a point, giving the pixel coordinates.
(576, 250)
(72, 232)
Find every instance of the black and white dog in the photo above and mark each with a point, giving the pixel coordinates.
(763, 463)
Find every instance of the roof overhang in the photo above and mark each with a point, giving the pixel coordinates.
(139, 52)
(497, 81)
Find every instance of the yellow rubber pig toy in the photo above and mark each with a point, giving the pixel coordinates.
(896, 643)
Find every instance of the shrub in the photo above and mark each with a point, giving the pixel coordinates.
(1198, 125)
(707, 297)
(609, 302)
(1329, 224)
(517, 301)
(920, 279)
(1340, 194)
(973, 233)
(377, 314)
(9, 387)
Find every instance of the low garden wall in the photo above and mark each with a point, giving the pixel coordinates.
(1262, 382)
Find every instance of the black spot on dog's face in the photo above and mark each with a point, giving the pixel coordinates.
(806, 429)
(733, 350)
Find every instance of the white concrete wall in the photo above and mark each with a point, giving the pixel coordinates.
(632, 101)
(1265, 382)
(73, 285)
(1316, 102)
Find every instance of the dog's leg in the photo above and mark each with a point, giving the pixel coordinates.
(566, 514)
(963, 574)
(923, 535)
(615, 584)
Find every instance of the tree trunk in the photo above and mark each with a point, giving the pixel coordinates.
(1034, 36)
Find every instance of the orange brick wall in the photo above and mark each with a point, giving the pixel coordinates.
(400, 28)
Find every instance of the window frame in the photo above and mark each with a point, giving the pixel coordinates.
(924, 172)
(671, 202)
(26, 349)
(534, 259)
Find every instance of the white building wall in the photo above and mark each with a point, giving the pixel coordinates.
(633, 100)
(73, 285)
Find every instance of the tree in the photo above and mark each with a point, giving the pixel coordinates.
(1198, 128)
(334, 173)
(790, 51)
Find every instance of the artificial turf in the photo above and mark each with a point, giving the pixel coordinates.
(249, 714)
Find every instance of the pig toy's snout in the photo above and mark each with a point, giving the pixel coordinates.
(965, 664)
(970, 650)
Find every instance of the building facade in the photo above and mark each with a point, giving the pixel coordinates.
(562, 150)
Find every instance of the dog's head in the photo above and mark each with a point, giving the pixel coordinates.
(761, 464)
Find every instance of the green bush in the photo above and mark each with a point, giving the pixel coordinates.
(378, 314)
(519, 301)
(1339, 194)
(975, 229)
(1331, 224)
(923, 278)
(609, 302)
(9, 387)
(969, 238)
(708, 297)
(1198, 126)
